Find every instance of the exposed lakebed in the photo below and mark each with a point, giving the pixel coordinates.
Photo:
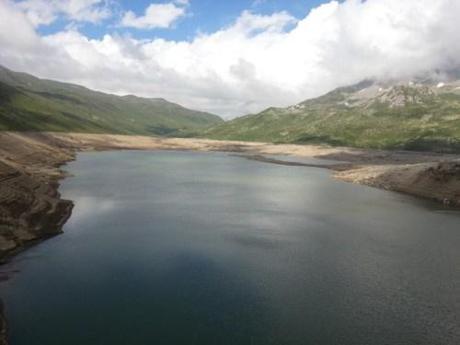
(208, 248)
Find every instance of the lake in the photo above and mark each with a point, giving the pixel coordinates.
(207, 248)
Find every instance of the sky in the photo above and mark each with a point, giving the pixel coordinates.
(228, 57)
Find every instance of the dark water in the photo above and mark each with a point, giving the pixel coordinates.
(194, 248)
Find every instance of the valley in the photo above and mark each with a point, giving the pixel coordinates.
(250, 172)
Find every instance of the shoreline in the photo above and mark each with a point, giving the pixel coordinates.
(32, 210)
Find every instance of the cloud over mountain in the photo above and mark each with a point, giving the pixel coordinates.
(258, 61)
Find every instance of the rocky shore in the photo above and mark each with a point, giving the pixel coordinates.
(438, 181)
(30, 206)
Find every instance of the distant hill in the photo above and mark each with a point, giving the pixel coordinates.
(30, 103)
(414, 115)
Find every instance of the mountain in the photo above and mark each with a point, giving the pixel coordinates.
(30, 103)
(413, 115)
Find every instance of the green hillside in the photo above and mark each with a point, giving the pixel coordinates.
(417, 116)
(29, 103)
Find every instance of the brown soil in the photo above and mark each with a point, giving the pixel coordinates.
(30, 205)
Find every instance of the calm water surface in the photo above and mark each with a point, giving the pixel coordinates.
(205, 248)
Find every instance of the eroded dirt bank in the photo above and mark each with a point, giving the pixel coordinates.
(30, 205)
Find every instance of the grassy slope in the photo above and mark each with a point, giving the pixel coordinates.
(29, 103)
(401, 117)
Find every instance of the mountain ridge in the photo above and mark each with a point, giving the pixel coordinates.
(413, 115)
(31, 103)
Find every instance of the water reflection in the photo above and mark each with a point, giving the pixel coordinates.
(87, 207)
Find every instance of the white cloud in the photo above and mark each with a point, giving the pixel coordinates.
(156, 16)
(44, 12)
(256, 62)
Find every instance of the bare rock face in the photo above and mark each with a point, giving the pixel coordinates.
(445, 171)
(30, 206)
(445, 177)
(30, 210)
